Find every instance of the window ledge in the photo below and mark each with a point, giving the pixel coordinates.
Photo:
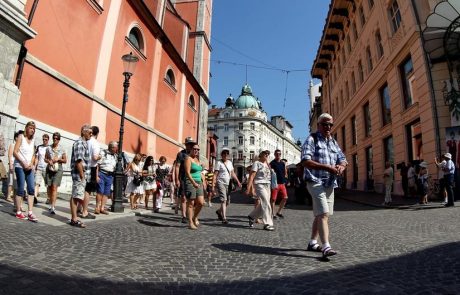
(96, 6)
(138, 52)
(170, 85)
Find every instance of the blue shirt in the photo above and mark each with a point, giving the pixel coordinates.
(324, 151)
(449, 168)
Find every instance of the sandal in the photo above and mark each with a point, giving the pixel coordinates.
(77, 223)
(314, 248)
(224, 221)
(328, 252)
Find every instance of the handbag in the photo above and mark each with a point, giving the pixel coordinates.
(137, 180)
(231, 184)
(53, 167)
(273, 180)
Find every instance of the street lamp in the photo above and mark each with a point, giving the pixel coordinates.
(129, 64)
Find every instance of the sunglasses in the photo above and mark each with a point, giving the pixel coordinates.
(196, 149)
(327, 124)
(56, 138)
(45, 138)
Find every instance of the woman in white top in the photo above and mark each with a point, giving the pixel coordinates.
(24, 157)
(162, 171)
(150, 185)
(223, 173)
(135, 190)
(259, 185)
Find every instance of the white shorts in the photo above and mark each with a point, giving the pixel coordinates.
(322, 197)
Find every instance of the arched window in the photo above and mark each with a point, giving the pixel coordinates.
(170, 78)
(136, 39)
(191, 101)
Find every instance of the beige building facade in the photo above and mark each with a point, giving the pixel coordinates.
(387, 93)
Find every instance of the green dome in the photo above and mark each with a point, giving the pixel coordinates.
(246, 100)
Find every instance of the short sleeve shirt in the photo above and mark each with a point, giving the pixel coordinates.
(280, 170)
(224, 176)
(80, 152)
(94, 150)
(263, 173)
(324, 151)
(180, 159)
(57, 152)
(40, 154)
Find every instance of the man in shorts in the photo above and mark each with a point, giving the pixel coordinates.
(179, 171)
(279, 167)
(80, 171)
(324, 161)
(91, 185)
(40, 164)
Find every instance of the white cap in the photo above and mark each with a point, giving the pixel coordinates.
(448, 156)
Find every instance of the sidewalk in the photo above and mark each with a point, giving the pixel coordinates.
(375, 199)
(62, 215)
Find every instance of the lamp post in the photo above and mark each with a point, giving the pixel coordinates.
(129, 64)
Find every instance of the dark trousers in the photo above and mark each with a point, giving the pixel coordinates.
(449, 179)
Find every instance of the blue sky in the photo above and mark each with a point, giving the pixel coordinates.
(282, 34)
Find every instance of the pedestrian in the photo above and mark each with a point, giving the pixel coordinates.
(279, 167)
(449, 170)
(81, 173)
(422, 182)
(141, 165)
(324, 162)
(179, 176)
(404, 179)
(411, 180)
(24, 158)
(55, 156)
(442, 181)
(223, 175)
(105, 172)
(388, 175)
(91, 185)
(194, 183)
(40, 165)
(209, 176)
(259, 185)
(150, 184)
(134, 188)
(12, 184)
(162, 170)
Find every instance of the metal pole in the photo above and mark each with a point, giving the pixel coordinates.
(117, 204)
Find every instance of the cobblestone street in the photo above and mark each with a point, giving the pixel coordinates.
(387, 251)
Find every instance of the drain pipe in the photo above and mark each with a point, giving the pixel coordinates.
(23, 50)
(430, 85)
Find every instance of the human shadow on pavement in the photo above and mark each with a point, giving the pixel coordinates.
(432, 270)
(255, 249)
(153, 223)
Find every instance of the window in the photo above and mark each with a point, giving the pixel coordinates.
(251, 155)
(354, 138)
(362, 16)
(253, 126)
(407, 79)
(240, 126)
(367, 120)
(370, 65)
(225, 141)
(191, 102)
(215, 127)
(385, 104)
(395, 15)
(354, 185)
(170, 79)
(135, 38)
(240, 155)
(226, 127)
(369, 168)
(240, 115)
(354, 32)
(388, 149)
(353, 84)
(226, 115)
(344, 145)
(240, 140)
(360, 72)
(371, 4)
(378, 42)
(348, 44)
(414, 140)
(252, 140)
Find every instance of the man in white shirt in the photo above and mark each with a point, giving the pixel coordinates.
(40, 165)
(91, 186)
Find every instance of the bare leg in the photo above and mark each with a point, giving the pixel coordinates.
(190, 214)
(98, 203)
(18, 200)
(281, 206)
(104, 201)
(85, 204)
(199, 202)
(314, 229)
(183, 206)
(30, 202)
(323, 228)
(223, 210)
(53, 195)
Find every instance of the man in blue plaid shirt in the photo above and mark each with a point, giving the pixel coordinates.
(80, 170)
(324, 161)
